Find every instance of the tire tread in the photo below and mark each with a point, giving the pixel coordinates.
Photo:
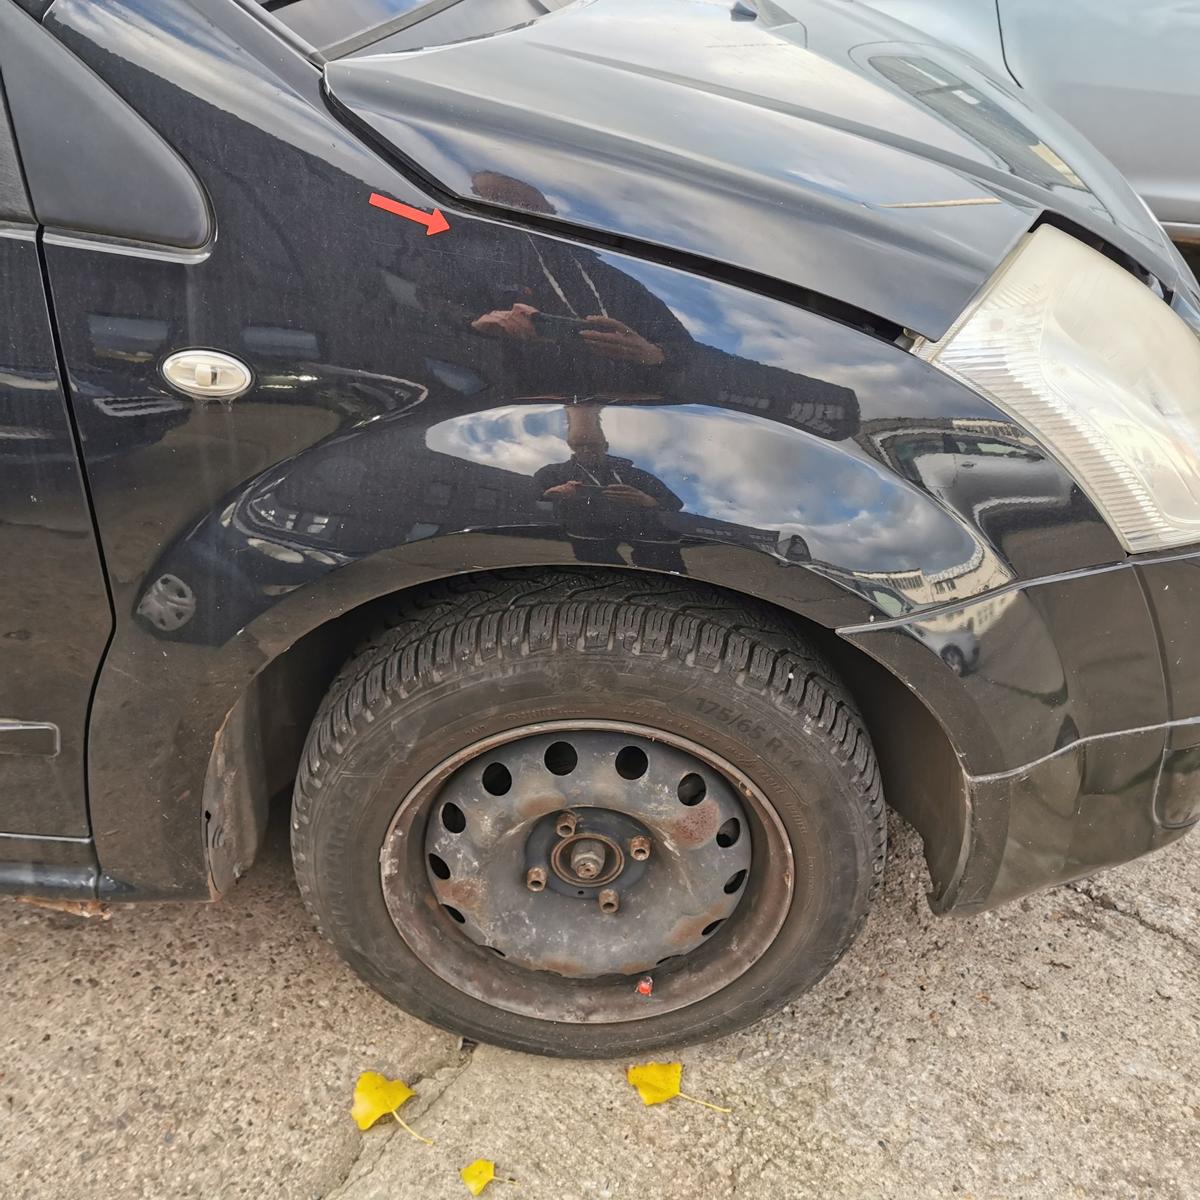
(517, 614)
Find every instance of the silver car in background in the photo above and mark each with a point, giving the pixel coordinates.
(1123, 72)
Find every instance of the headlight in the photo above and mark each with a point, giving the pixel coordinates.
(1096, 366)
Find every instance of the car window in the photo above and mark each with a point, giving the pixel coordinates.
(82, 184)
(14, 202)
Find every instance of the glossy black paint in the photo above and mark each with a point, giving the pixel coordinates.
(511, 394)
(1035, 668)
(1089, 807)
(54, 614)
(816, 145)
(1173, 588)
(1077, 735)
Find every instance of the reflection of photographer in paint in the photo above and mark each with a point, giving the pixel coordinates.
(604, 336)
(573, 289)
(563, 319)
(603, 501)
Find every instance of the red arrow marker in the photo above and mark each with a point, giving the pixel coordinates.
(434, 222)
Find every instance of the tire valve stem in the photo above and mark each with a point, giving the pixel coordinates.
(645, 986)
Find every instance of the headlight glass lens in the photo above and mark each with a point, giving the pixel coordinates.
(1096, 366)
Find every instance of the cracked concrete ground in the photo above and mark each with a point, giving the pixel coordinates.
(1050, 1049)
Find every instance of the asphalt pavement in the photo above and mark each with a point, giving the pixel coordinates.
(1051, 1049)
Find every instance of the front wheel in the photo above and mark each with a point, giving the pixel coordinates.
(588, 815)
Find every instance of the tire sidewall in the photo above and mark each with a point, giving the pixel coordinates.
(391, 747)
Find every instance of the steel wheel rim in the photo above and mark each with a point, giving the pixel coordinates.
(461, 948)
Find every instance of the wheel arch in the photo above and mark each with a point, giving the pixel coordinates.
(258, 747)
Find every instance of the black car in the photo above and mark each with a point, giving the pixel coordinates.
(598, 451)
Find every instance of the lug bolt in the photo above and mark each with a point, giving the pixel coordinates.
(535, 878)
(609, 900)
(587, 858)
(639, 848)
(564, 826)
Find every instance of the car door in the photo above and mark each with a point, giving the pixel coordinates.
(122, 227)
(202, 197)
(54, 611)
(1125, 75)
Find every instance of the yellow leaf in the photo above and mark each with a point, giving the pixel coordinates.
(656, 1082)
(377, 1096)
(478, 1175)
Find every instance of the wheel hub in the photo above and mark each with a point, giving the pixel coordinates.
(591, 854)
(596, 840)
(584, 860)
(454, 876)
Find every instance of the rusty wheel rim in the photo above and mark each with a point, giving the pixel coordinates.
(552, 870)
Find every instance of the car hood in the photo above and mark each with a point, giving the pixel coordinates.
(812, 142)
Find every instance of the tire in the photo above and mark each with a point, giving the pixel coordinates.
(512, 663)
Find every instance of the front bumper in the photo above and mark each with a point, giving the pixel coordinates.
(1077, 728)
